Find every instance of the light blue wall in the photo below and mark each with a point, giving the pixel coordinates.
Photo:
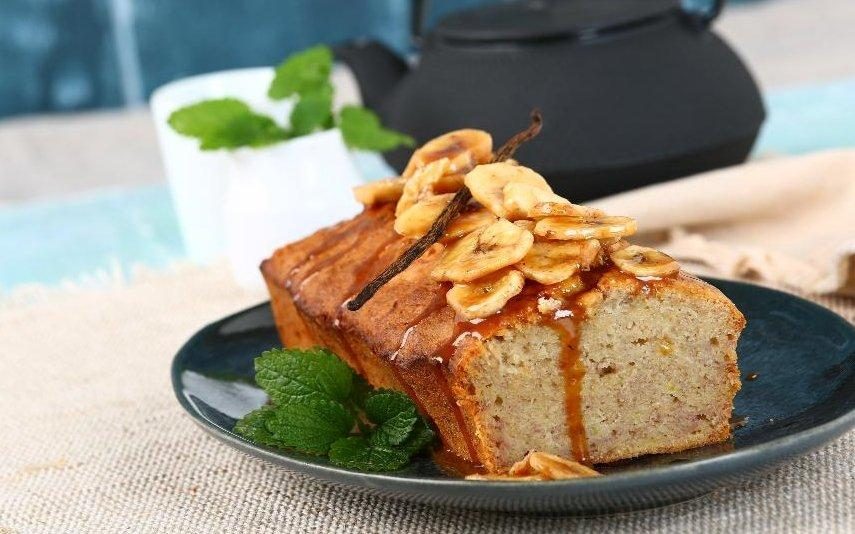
(60, 55)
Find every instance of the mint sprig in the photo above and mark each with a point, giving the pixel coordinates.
(226, 123)
(361, 129)
(359, 453)
(319, 406)
(296, 375)
(302, 73)
(304, 76)
(253, 426)
(394, 414)
(310, 426)
(312, 112)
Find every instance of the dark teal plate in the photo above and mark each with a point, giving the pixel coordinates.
(803, 396)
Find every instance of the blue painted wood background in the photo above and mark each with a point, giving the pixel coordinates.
(62, 55)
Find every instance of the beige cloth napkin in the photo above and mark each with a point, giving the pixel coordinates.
(789, 221)
(94, 440)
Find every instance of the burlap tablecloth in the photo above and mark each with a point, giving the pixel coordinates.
(94, 441)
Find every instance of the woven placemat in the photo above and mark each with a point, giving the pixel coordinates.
(94, 440)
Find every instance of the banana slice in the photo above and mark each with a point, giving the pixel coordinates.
(379, 192)
(613, 245)
(421, 184)
(550, 262)
(525, 223)
(487, 183)
(448, 183)
(468, 222)
(483, 251)
(485, 296)
(563, 209)
(464, 149)
(519, 199)
(569, 287)
(550, 467)
(565, 228)
(416, 220)
(644, 261)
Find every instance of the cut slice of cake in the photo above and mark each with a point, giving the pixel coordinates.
(532, 326)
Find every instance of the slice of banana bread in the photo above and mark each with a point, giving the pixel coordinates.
(600, 367)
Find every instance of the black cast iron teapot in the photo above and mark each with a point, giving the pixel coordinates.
(632, 91)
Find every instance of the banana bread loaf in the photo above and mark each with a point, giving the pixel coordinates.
(636, 367)
(531, 325)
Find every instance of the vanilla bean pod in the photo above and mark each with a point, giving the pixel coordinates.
(437, 229)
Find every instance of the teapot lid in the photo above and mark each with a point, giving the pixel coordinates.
(541, 19)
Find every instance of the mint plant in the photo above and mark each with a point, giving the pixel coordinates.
(228, 123)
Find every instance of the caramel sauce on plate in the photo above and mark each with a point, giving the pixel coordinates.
(454, 465)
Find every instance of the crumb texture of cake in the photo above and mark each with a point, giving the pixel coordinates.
(527, 324)
(661, 370)
(512, 388)
(659, 376)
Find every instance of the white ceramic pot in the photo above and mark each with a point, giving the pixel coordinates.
(247, 202)
(282, 193)
(198, 179)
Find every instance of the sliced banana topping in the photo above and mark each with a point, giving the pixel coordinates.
(487, 183)
(469, 221)
(613, 245)
(421, 184)
(379, 192)
(525, 223)
(487, 295)
(563, 209)
(448, 183)
(569, 287)
(583, 228)
(644, 261)
(519, 199)
(514, 228)
(463, 148)
(416, 220)
(550, 262)
(484, 251)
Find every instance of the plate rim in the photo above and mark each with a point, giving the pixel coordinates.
(732, 463)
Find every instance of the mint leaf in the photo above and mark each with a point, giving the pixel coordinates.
(393, 413)
(318, 400)
(302, 73)
(361, 129)
(310, 426)
(358, 453)
(312, 112)
(225, 123)
(253, 426)
(294, 375)
(420, 437)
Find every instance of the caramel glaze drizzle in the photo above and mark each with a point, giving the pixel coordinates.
(565, 322)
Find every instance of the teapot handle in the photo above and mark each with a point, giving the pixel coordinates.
(702, 18)
(419, 10)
